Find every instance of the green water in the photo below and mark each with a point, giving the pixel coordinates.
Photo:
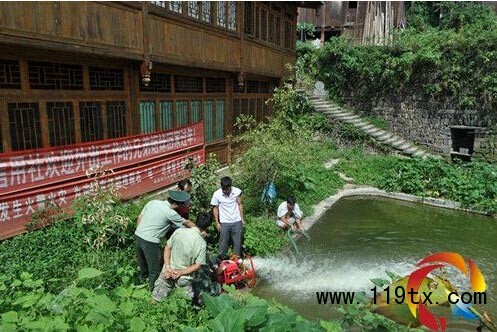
(361, 237)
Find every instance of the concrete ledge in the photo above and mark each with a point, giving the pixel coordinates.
(353, 190)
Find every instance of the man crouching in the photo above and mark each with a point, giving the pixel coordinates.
(184, 254)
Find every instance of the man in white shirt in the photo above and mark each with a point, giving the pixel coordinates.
(289, 215)
(228, 214)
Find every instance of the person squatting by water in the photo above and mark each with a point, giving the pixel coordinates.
(184, 255)
(153, 223)
(228, 215)
(289, 215)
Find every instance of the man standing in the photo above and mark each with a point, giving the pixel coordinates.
(184, 254)
(153, 223)
(228, 214)
(289, 215)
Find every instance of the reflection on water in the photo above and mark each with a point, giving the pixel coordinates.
(361, 238)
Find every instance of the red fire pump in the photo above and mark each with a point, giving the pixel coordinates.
(239, 272)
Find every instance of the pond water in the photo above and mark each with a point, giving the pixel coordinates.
(360, 238)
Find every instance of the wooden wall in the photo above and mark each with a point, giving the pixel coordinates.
(118, 29)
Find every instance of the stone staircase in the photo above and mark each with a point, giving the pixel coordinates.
(337, 113)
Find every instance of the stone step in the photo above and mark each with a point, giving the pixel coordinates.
(384, 137)
(373, 130)
(411, 150)
(398, 143)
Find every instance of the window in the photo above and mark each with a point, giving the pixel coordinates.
(181, 113)
(90, 118)
(159, 3)
(221, 13)
(158, 83)
(188, 84)
(55, 76)
(352, 4)
(257, 22)
(277, 31)
(10, 75)
(270, 37)
(215, 84)
(220, 119)
(249, 18)
(116, 119)
(193, 9)
(263, 24)
(106, 79)
(206, 12)
(252, 86)
(196, 111)
(288, 35)
(176, 6)
(209, 120)
(147, 117)
(166, 115)
(60, 123)
(232, 16)
(25, 127)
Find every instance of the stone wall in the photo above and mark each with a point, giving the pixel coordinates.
(429, 125)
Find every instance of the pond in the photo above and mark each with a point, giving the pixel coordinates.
(360, 238)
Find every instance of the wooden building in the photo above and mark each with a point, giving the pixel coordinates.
(76, 72)
(362, 21)
(87, 76)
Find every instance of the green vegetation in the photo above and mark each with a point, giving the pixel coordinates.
(447, 54)
(472, 184)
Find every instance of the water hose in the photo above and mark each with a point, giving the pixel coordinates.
(292, 241)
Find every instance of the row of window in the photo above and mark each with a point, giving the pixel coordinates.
(93, 118)
(58, 76)
(168, 114)
(265, 24)
(219, 13)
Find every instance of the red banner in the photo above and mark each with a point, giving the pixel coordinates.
(37, 179)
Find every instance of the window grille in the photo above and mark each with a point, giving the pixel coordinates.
(237, 88)
(249, 18)
(252, 86)
(193, 10)
(10, 74)
(90, 118)
(265, 87)
(147, 116)
(55, 76)
(215, 84)
(260, 110)
(206, 12)
(158, 83)
(106, 79)
(244, 106)
(116, 119)
(60, 123)
(188, 84)
(25, 126)
(232, 15)
(221, 13)
(176, 6)
(251, 110)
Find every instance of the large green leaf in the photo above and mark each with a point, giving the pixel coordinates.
(215, 305)
(136, 324)
(88, 273)
(228, 321)
(10, 317)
